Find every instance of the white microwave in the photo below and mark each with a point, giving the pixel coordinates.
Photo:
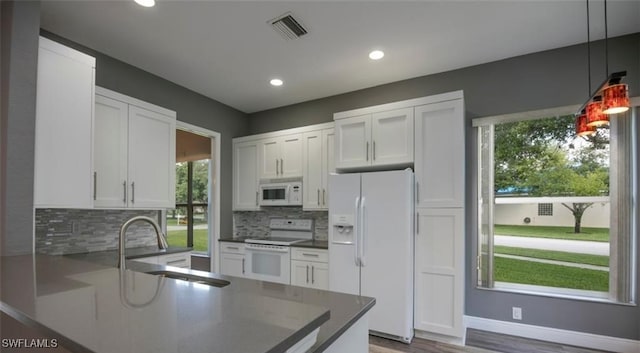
(281, 194)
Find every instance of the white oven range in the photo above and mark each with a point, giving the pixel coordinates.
(269, 259)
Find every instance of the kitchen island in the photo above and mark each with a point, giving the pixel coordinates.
(93, 306)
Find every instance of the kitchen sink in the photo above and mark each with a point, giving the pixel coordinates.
(191, 278)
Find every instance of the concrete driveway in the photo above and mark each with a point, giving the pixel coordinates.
(575, 246)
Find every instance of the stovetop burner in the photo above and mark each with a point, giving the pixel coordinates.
(275, 241)
(285, 231)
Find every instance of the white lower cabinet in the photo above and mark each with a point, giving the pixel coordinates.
(310, 268)
(439, 271)
(232, 260)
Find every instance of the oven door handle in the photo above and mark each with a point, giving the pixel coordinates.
(261, 249)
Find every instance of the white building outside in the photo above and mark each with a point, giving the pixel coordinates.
(549, 211)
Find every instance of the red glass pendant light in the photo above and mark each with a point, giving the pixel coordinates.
(615, 99)
(595, 116)
(582, 129)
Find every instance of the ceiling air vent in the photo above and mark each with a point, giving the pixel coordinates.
(288, 27)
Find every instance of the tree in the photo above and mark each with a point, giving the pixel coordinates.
(200, 182)
(564, 180)
(532, 158)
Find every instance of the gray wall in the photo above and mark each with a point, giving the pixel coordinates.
(20, 22)
(190, 106)
(541, 80)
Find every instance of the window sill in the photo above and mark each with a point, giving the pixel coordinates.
(553, 292)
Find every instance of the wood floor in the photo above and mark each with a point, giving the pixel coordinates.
(477, 342)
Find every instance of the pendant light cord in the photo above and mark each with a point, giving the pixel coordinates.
(606, 40)
(588, 50)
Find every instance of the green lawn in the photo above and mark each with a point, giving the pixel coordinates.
(528, 272)
(590, 234)
(179, 238)
(596, 260)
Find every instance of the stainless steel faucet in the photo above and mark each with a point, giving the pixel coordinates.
(162, 242)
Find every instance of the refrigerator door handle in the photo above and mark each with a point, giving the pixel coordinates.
(363, 231)
(356, 232)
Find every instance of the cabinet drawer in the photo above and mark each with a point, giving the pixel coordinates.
(177, 260)
(232, 248)
(305, 254)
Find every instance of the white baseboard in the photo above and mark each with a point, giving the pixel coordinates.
(574, 338)
(440, 338)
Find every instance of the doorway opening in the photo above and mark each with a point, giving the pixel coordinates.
(194, 220)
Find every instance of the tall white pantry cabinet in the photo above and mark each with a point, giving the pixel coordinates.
(439, 241)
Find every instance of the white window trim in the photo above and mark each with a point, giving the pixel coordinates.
(544, 290)
(214, 181)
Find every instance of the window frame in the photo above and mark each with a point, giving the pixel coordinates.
(485, 197)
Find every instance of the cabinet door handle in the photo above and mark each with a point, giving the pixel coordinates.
(311, 255)
(95, 184)
(243, 266)
(256, 198)
(417, 192)
(323, 199)
(417, 223)
(233, 247)
(133, 192)
(277, 170)
(281, 166)
(367, 150)
(124, 191)
(313, 270)
(374, 150)
(307, 273)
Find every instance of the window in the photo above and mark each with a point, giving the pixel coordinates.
(545, 209)
(530, 164)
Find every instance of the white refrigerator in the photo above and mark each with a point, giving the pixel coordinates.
(371, 219)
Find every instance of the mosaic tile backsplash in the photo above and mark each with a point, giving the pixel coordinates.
(256, 223)
(72, 231)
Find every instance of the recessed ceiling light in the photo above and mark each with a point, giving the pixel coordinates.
(276, 82)
(376, 55)
(146, 3)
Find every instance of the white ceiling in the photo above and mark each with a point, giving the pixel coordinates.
(228, 52)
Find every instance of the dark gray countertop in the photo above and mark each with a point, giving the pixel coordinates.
(316, 244)
(79, 300)
(233, 240)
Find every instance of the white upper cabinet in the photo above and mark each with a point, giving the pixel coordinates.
(392, 137)
(280, 157)
(152, 159)
(353, 142)
(305, 153)
(63, 131)
(318, 157)
(134, 153)
(377, 139)
(439, 146)
(110, 152)
(245, 176)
